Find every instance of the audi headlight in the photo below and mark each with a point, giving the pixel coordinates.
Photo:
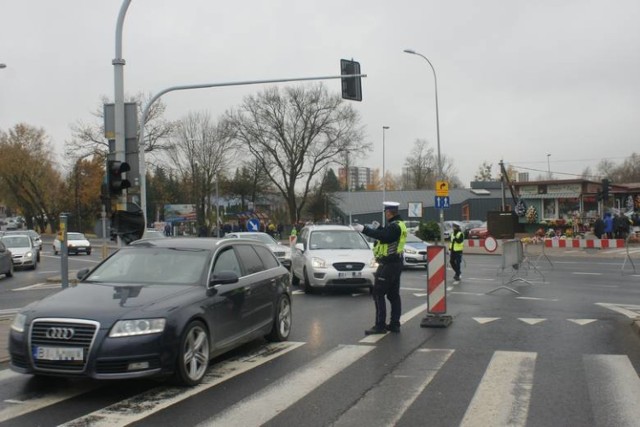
(318, 263)
(18, 322)
(373, 263)
(129, 328)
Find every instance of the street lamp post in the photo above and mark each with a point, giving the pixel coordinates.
(440, 174)
(384, 177)
(548, 166)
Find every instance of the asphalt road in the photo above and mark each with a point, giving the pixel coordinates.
(560, 351)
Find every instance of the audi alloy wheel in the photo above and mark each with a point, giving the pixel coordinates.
(193, 357)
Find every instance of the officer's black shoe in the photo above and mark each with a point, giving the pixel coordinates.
(375, 330)
(393, 328)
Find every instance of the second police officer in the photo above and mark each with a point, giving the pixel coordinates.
(390, 241)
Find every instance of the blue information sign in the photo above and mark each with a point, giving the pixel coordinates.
(442, 202)
(253, 224)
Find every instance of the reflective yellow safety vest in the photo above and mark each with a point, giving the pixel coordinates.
(456, 246)
(381, 250)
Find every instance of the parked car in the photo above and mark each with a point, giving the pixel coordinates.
(35, 238)
(76, 243)
(327, 256)
(282, 252)
(6, 261)
(415, 252)
(448, 228)
(23, 251)
(162, 307)
(469, 224)
(479, 232)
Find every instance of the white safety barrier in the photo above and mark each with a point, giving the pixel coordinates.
(563, 243)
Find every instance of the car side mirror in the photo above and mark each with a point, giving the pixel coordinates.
(299, 246)
(81, 274)
(223, 278)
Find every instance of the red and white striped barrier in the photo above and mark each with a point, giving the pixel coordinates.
(436, 281)
(584, 243)
(563, 243)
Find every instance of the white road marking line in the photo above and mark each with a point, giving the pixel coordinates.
(372, 339)
(407, 381)
(467, 293)
(261, 407)
(483, 320)
(39, 401)
(504, 393)
(141, 406)
(6, 374)
(582, 322)
(620, 308)
(38, 286)
(479, 279)
(531, 321)
(420, 295)
(586, 273)
(537, 299)
(414, 289)
(614, 388)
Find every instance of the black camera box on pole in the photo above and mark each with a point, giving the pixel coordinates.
(502, 225)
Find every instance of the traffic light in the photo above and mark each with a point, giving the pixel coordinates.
(115, 183)
(352, 86)
(605, 189)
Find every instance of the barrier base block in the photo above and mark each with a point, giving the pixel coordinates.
(436, 321)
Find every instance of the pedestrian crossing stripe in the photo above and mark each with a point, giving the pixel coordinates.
(629, 310)
(158, 398)
(501, 397)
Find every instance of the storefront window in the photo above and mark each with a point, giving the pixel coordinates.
(590, 207)
(549, 208)
(568, 207)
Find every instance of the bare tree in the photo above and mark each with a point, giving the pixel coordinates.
(88, 138)
(295, 134)
(201, 151)
(421, 167)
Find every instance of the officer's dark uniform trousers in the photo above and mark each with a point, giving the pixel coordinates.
(387, 283)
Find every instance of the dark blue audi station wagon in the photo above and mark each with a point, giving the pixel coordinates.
(161, 307)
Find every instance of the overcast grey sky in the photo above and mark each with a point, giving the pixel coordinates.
(516, 79)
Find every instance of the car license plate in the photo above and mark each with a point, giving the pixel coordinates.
(58, 353)
(350, 274)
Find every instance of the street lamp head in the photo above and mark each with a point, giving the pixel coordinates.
(385, 127)
(3, 65)
(411, 51)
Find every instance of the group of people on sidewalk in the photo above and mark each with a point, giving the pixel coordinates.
(612, 226)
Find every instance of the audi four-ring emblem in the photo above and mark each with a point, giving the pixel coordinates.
(60, 333)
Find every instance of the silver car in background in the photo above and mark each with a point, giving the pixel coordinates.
(23, 251)
(327, 256)
(282, 252)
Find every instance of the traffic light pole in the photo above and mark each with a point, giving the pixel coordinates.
(147, 108)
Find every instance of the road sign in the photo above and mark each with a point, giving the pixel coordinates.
(442, 202)
(415, 210)
(442, 188)
(253, 224)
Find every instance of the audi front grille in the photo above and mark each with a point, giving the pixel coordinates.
(62, 335)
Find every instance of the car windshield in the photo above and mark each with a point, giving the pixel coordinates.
(17, 241)
(152, 266)
(76, 236)
(337, 239)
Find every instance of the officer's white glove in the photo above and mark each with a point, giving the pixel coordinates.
(375, 225)
(358, 227)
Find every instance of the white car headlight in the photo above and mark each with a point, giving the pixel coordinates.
(373, 263)
(318, 263)
(128, 328)
(28, 254)
(410, 250)
(18, 322)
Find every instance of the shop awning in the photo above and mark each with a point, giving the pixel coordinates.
(567, 195)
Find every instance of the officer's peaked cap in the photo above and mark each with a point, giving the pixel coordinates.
(393, 206)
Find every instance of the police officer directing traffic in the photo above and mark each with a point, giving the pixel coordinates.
(390, 241)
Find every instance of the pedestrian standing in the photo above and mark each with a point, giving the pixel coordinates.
(387, 250)
(455, 248)
(608, 225)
